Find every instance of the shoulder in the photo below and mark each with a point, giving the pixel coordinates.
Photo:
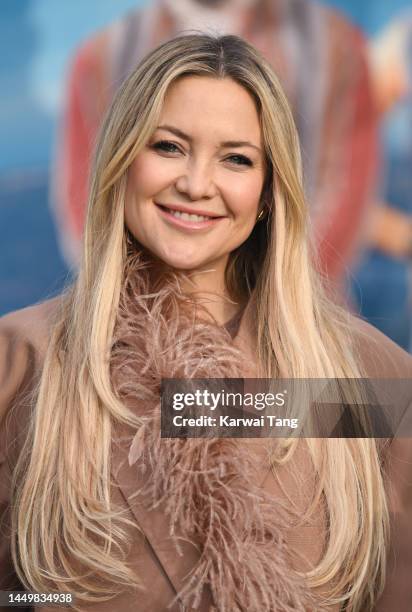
(30, 325)
(24, 336)
(378, 356)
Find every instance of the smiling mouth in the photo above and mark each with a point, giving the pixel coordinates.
(184, 216)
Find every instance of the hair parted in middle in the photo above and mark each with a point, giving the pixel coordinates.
(136, 110)
(299, 334)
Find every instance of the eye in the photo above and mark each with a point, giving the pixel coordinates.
(240, 160)
(166, 145)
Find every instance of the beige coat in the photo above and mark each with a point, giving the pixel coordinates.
(23, 341)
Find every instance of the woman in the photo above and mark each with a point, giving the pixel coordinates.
(195, 265)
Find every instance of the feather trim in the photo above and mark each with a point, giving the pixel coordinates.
(206, 487)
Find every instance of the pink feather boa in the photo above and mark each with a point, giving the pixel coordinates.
(209, 488)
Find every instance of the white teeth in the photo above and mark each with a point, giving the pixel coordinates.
(187, 216)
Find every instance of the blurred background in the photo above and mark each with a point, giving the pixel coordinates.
(51, 68)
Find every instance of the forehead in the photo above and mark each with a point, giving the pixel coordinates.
(221, 106)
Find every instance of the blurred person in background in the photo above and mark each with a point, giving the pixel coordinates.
(93, 501)
(383, 280)
(321, 60)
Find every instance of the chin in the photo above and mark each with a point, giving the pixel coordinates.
(181, 260)
(183, 264)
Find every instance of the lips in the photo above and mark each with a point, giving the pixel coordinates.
(189, 211)
(188, 219)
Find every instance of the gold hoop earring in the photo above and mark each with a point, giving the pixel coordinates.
(261, 215)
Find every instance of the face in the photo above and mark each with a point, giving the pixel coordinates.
(194, 191)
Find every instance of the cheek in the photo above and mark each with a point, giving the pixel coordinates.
(148, 176)
(139, 188)
(245, 198)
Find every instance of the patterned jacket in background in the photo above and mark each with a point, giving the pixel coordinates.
(320, 59)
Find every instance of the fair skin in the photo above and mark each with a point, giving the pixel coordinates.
(194, 191)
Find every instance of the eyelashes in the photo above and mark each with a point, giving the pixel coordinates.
(242, 160)
(169, 147)
(165, 145)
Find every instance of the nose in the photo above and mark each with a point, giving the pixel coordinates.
(197, 181)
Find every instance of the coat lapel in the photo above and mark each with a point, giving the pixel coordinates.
(176, 564)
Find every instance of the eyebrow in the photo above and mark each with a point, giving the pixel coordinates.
(227, 143)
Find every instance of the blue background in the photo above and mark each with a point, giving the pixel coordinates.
(37, 39)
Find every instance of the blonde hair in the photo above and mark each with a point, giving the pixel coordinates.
(62, 513)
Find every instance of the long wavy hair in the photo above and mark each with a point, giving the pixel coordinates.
(62, 510)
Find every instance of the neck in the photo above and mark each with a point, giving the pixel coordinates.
(209, 288)
(207, 285)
